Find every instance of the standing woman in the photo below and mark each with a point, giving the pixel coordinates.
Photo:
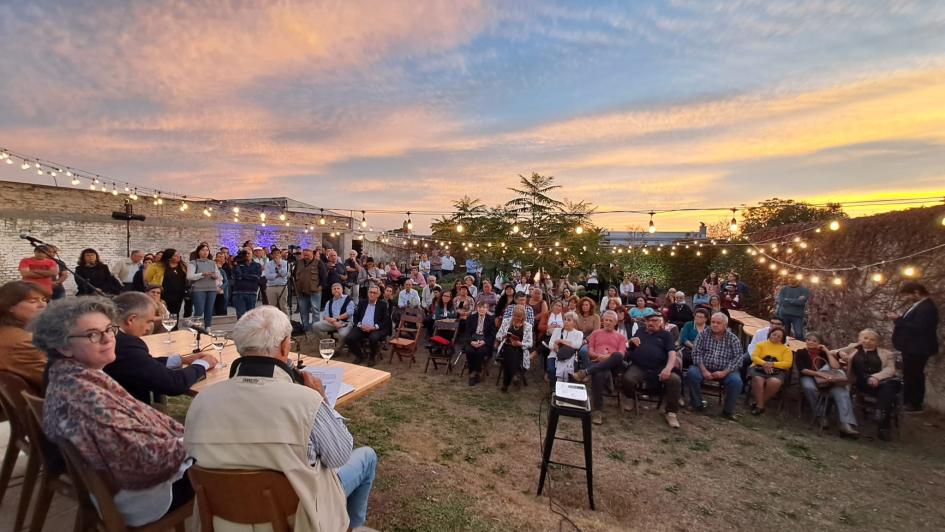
(246, 276)
(141, 449)
(712, 285)
(92, 273)
(20, 304)
(507, 298)
(203, 276)
(626, 290)
(171, 274)
(515, 337)
(221, 304)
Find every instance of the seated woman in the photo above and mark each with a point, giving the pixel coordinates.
(20, 303)
(641, 311)
(566, 294)
(572, 303)
(873, 370)
(820, 373)
(715, 306)
(515, 337)
(552, 321)
(141, 449)
(463, 303)
(564, 345)
(690, 331)
(611, 294)
(394, 276)
(770, 366)
(626, 290)
(441, 308)
(480, 338)
(679, 312)
(624, 326)
(701, 299)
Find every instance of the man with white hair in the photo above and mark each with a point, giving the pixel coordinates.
(716, 356)
(679, 312)
(270, 416)
(606, 348)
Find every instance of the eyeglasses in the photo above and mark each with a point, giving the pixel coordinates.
(97, 337)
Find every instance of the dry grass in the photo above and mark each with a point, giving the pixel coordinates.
(460, 458)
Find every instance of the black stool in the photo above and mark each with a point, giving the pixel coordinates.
(550, 437)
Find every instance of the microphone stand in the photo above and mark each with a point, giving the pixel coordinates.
(62, 264)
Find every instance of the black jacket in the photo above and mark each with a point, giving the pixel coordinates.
(381, 314)
(93, 277)
(141, 374)
(488, 328)
(916, 333)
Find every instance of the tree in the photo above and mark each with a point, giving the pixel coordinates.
(774, 212)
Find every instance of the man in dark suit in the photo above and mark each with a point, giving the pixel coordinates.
(134, 367)
(480, 336)
(371, 321)
(915, 334)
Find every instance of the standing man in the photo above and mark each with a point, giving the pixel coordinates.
(653, 360)
(447, 264)
(126, 269)
(472, 269)
(40, 269)
(915, 334)
(717, 356)
(371, 321)
(436, 265)
(792, 304)
(353, 269)
(335, 272)
(260, 258)
(276, 273)
(309, 276)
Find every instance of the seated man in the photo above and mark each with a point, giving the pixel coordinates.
(407, 298)
(717, 356)
(269, 416)
(606, 348)
(426, 295)
(653, 360)
(338, 315)
(371, 321)
(134, 367)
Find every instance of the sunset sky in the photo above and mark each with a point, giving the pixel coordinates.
(410, 105)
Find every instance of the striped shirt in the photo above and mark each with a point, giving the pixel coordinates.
(330, 442)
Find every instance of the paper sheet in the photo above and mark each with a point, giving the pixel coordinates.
(332, 381)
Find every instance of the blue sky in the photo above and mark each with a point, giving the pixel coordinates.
(410, 105)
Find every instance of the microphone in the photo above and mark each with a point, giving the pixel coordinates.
(33, 240)
(199, 329)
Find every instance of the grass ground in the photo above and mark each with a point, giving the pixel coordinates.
(454, 457)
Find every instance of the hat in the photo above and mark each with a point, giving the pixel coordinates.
(257, 247)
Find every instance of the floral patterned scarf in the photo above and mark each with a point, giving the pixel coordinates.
(139, 446)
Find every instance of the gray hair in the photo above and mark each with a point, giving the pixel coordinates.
(610, 313)
(571, 315)
(680, 293)
(134, 303)
(260, 331)
(721, 316)
(52, 328)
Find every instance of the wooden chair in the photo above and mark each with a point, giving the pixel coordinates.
(244, 497)
(440, 353)
(90, 483)
(11, 399)
(407, 338)
(54, 479)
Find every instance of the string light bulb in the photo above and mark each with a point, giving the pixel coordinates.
(134, 195)
(460, 228)
(837, 281)
(909, 271)
(282, 217)
(652, 228)
(579, 230)
(515, 228)
(236, 210)
(814, 279)
(75, 181)
(321, 219)
(799, 277)
(733, 226)
(834, 225)
(363, 223)
(409, 222)
(877, 277)
(114, 190)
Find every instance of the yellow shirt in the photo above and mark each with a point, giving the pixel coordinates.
(782, 353)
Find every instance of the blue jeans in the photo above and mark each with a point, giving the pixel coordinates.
(794, 323)
(244, 302)
(732, 383)
(584, 360)
(839, 394)
(203, 305)
(357, 477)
(308, 309)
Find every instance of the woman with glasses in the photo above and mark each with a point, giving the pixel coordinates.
(20, 304)
(139, 447)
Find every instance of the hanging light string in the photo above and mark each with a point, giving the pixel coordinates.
(850, 268)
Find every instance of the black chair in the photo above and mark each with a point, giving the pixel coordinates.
(442, 354)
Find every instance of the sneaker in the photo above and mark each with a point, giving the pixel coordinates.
(847, 431)
(729, 416)
(671, 420)
(579, 376)
(597, 418)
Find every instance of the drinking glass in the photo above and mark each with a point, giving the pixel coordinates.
(326, 348)
(169, 320)
(195, 321)
(219, 341)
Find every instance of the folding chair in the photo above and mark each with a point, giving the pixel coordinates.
(90, 483)
(243, 497)
(11, 399)
(442, 353)
(407, 338)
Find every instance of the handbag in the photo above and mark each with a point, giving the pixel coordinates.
(565, 352)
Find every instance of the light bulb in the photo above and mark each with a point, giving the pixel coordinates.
(515, 228)
(652, 228)
(814, 279)
(762, 260)
(803, 245)
(579, 229)
(698, 253)
(262, 216)
(75, 181)
(282, 217)
(39, 171)
(877, 277)
(799, 277)
(236, 210)
(837, 281)
(9, 161)
(909, 271)
(409, 225)
(772, 266)
(834, 225)
(25, 166)
(783, 271)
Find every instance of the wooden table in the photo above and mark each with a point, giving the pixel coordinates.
(362, 378)
(751, 325)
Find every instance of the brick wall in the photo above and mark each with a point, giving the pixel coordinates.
(74, 219)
